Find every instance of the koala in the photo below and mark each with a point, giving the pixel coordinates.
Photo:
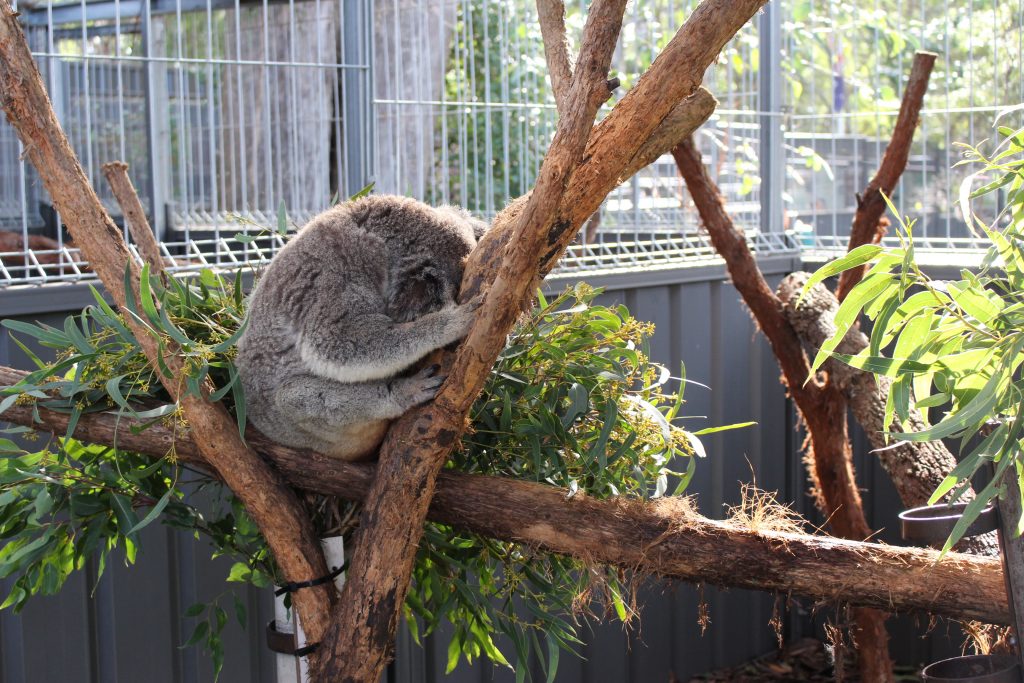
(340, 317)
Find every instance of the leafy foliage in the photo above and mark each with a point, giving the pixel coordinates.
(957, 345)
(573, 402)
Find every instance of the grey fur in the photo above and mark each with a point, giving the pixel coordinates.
(363, 292)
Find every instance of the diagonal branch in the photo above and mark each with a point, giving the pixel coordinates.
(116, 173)
(666, 537)
(868, 227)
(551, 16)
(273, 506)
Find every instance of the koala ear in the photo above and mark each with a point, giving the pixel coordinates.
(415, 295)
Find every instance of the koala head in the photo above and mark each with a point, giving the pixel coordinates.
(428, 248)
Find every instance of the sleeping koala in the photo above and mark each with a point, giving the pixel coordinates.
(363, 292)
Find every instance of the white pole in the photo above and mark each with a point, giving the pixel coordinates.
(292, 669)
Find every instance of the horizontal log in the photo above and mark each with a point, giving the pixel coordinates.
(664, 537)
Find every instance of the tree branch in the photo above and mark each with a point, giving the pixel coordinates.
(116, 173)
(821, 405)
(273, 506)
(664, 537)
(868, 226)
(551, 16)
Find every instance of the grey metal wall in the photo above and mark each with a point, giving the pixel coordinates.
(127, 625)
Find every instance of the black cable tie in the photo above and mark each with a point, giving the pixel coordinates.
(292, 587)
(283, 642)
(303, 651)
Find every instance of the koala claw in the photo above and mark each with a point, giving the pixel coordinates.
(476, 302)
(421, 387)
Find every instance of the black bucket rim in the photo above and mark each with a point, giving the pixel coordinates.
(932, 524)
(1008, 670)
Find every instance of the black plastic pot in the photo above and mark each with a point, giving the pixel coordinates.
(932, 524)
(973, 669)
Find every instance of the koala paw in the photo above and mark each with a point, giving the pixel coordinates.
(420, 388)
(465, 314)
(476, 302)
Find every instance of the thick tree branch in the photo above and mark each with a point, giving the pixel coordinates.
(821, 405)
(273, 506)
(551, 16)
(116, 173)
(681, 122)
(659, 537)
(610, 154)
(867, 225)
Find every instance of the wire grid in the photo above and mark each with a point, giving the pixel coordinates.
(465, 112)
(843, 87)
(234, 117)
(230, 112)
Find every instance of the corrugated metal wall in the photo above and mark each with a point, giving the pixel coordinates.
(127, 626)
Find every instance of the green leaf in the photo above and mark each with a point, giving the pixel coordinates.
(113, 387)
(856, 257)
(80, 342)
(123, 512)
(868, 288)
(723, 428)
(973, 509)
(880, 365)
(981, 305)
(113, 319)
(282, 219)
(364, 192)
(195, 610)
(200, 632)
(241, 613)
(454, 650)
(153, 513)
(972, 413)
(49, 336)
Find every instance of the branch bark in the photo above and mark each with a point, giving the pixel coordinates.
(116, 173)
(868, 226)
(551, 17)
(273, 506)
(663, 537)
(916, 469)
(821, 405)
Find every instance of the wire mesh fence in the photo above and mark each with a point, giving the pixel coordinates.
(235, 115)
